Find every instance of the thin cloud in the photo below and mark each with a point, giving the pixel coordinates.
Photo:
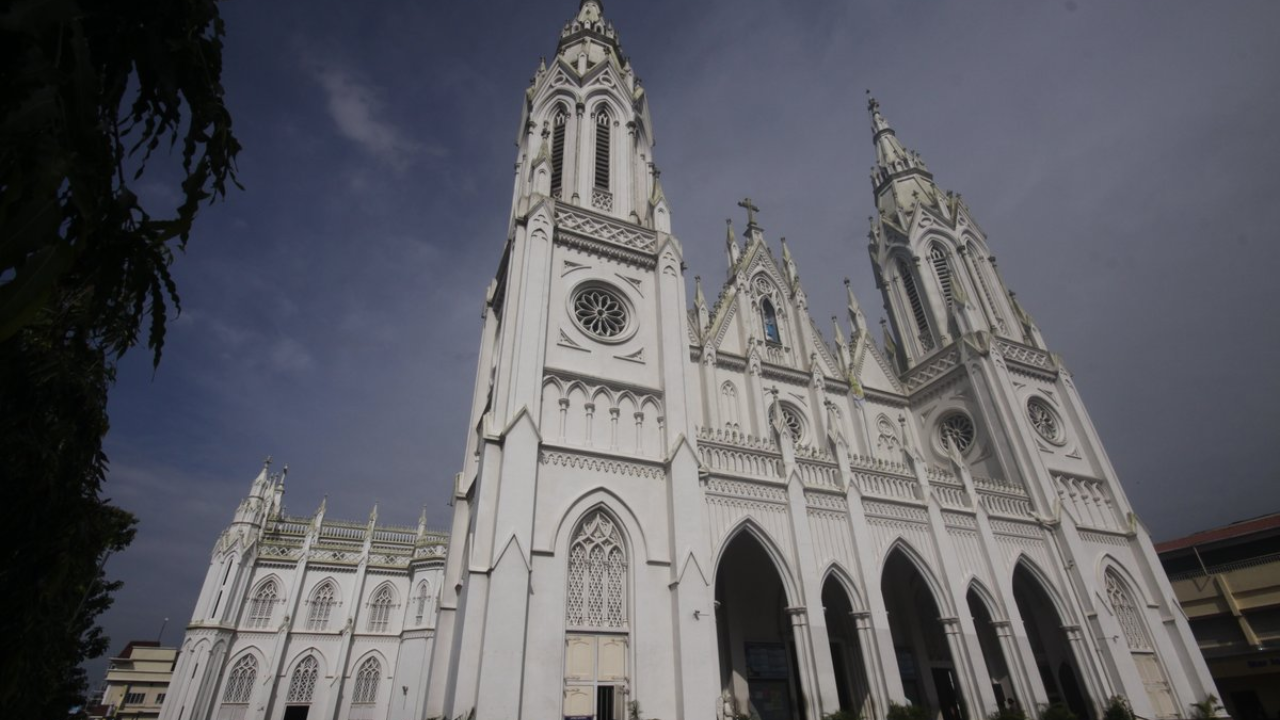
(356, 108)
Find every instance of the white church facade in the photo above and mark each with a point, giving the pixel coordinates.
(691, 509)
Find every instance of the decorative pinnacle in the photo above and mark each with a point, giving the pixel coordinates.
(266, 463)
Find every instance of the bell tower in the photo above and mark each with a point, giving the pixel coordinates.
(931, 260)
(578, 537)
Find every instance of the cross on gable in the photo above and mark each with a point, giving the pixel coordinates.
(751, 209)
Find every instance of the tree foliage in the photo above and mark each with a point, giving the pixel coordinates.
(91, 92)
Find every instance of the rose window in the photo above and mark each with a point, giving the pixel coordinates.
(1044, 420)
(791, 418)
(956, 430)
(600, 312)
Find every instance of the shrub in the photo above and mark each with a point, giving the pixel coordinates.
(842, 715)
(907, 712)
(1118, 709)
(1012, 712)
(1206, 708)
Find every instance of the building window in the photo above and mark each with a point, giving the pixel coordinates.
(558, 124)
(366, 689)
(729, 405)
(1044, 420)
(942, 269)
(1126, 613)
(792, 418)
(160, 698)
(380, 609)
(262, 604)
(134, 698)
(603, 128)
(322, 602)
(424, 594)
(956, 430)
(302, 685)
(597, 575)
(240, 680)
(917, 307)
(770, 318)
(600, 312)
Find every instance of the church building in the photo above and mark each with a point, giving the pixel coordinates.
(692, 508)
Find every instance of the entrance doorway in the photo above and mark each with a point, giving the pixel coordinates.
(1054, 658)
(296, 712)
(846, 653)
(757, 650)
(992, 652)
(924, 658)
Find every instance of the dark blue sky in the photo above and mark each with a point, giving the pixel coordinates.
(1121, 157)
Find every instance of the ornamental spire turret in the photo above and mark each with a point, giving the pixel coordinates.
(857, 320)
(731, 245)
(700, 305)
(900, 178)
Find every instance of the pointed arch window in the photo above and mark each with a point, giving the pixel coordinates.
(942, 268)
(240, 680)
(1127, 613)
(917, 307)
(321, 607)
(263, 604)
(380, 609)
(559, 122)
(729, 405)
(1154, 678)
(769, 317)
(302, 684)
(603, 129)
(424, 594)
(597, 575)
(366, 688)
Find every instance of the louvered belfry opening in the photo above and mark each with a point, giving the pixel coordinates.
(602, 150)
(942, 268)
(917, 307)
(561, 121)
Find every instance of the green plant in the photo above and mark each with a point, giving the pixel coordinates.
(1118, 709)
(842, 715)
(1057, 711)
(633, 710)
(1206, 708)
(907, 712)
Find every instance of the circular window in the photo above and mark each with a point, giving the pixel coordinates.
(956, 430)
(794, 421)
(601, 312)
(1044, 420)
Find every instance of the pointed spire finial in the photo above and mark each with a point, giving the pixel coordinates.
(266, 463)
(731, 245)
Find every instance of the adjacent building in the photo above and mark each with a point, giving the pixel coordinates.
(1228, 582)
(683, 507)
(137, 682)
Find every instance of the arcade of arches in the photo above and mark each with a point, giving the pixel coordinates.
(768, 669)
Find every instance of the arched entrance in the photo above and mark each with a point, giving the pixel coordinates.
(924, 659)
(1054, 658)
(992, 653)
(846, 652)
(758, 669)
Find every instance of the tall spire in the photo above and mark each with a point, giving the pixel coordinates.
(588, 27)
(900, 178)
